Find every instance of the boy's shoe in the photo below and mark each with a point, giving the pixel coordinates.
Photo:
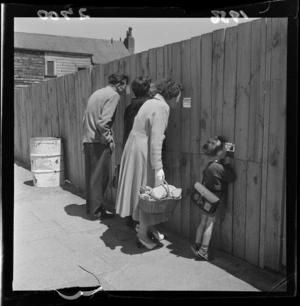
(198, 252)
(195, 248)
(201, 255)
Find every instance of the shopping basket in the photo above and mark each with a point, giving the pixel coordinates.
(158, 206)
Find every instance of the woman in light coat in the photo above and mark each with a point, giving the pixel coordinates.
(141, 163)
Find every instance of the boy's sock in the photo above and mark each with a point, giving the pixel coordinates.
(204, 249)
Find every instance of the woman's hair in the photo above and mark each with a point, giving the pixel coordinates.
(166, 87)
(214, 145)
(140, 86)
(117, 78)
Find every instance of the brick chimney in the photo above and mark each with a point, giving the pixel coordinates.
(129, 41)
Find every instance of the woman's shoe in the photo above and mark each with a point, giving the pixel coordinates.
(142, 244)
(156, 236)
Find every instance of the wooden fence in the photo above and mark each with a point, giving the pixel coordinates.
(236, 79)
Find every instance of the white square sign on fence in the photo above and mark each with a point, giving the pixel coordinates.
(186, 102)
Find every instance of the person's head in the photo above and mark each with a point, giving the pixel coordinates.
(140, 86)
(215, 147)
(167, 88)
(119, 81)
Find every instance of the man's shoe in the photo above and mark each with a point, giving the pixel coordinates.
(102, 214)
(105, 215)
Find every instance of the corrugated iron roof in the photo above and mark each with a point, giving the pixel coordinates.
(103, 50)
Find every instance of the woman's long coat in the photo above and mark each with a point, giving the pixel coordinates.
(141, 156)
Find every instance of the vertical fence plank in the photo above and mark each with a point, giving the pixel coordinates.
(176, 175)
(106, 74)
(16, 133)
(283, 255)
(175, 134)
(75, 138)
(195, 95)
(276, 157)
(243, 91)
(152, 64)
(23, 123)
(185, 122)
(168, 61)
(169, 159)
(132, 75)
(205, 88)
(53, 107)
(35, 110)
(39, 110)
(46, 128)
(138, 59)
(217, 81)
(196, 176)
(241, 138)
(61, 107)
(113, 68)
(185, 129)
(68, 139)
(253, 212)
(159, 63)
(228, 126)
(17, 121)
(168, 142)
(87, 91)
(145, 63)
(97, 77)
(119, 121)
(168, 167)
(257, 87)
(186, 191)
(83, 87)
(239, 209)
(217, 104)
(266, 122)
(79, 95)
(127, 97)
(30, 118)
(176, 128)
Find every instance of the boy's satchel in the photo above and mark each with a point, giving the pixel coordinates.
(204, 198)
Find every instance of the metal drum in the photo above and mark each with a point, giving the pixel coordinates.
(47, 161)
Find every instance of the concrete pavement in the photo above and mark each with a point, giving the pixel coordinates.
(56, 243)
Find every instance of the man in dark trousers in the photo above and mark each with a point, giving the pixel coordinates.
(98, 142)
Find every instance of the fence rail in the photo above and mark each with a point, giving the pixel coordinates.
(236, 79)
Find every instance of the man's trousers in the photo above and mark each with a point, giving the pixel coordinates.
(97, 162)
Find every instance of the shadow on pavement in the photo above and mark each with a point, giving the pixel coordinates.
(28, 183)
(119, 234)
(178, 248)
(22, 164)
(73, 189)
(78, 210)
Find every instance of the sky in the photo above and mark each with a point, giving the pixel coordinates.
(147, 32)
